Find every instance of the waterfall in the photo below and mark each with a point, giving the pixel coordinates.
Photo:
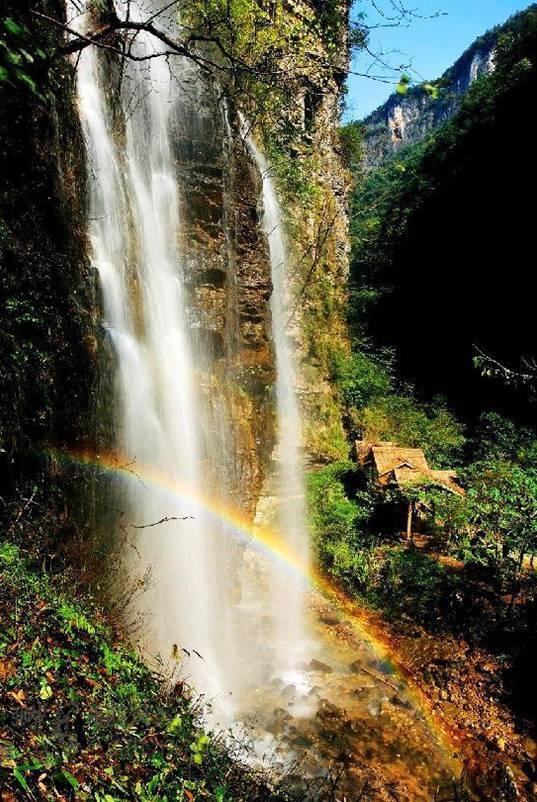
(135, 217)
(193, 604)
(288, 591)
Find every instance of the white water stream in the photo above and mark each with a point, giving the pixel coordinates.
(288, 590)
(135, 201)
(134, 213)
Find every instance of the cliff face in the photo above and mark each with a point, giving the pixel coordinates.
(407, 119)
(229, 267)
(54, 363)
(228, 286)
(317, 220)
(48, 301)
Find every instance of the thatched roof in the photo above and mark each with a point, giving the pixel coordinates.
(448, 479)
(405, 476)
(363, 448)
(395, 464)
(390, 458)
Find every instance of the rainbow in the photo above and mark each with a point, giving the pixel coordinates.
(272, 544)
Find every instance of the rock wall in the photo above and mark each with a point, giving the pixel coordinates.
(407, 119)
(229, 271)
(48, 296)
(317, 220)
(228, 281)
(54, 362)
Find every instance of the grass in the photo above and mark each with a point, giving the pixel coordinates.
(82, 718)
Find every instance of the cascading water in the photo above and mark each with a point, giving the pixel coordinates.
(161, 419)
(290, 520)
(135, 219)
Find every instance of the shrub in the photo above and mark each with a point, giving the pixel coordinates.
(350, 137)
(355, 568)
(429, 426)
(360, 378)
(339, 514)
(413, 584)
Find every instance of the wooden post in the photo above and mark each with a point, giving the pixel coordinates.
(409, 520)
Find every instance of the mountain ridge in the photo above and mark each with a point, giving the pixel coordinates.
(405, 119)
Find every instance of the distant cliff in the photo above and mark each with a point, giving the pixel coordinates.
(439, 261)
(406, 119)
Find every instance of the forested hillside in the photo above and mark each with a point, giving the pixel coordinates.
(441, 375)
(443, 239)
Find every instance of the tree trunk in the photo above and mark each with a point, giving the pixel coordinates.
(409, 520)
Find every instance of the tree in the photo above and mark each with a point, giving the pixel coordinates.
(502, 509)
(232, 40)
(238, 39)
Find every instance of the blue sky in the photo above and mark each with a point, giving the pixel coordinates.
(432, 45)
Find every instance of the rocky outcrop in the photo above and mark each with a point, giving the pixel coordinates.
(48, 297)
(407, 119)
(317, 218)
(229, 270)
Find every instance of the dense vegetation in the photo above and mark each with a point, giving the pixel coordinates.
(47, 333)
(83, 718)
(439, 237)
(489, 531)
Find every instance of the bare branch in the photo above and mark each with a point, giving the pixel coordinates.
(490, 366)
(163, 521)
(175, 47)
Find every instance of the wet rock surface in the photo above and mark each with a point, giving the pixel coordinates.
(466, 692)
(318, 665)
(345, 712)
(229, 286)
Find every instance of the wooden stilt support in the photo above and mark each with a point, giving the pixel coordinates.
(410, 516)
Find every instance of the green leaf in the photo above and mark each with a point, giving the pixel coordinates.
(153, 783)
(158, 761)
(8, 552)
(19, 776)
(432, 90)
(73, 782)
(24, 78)
(175, 725)
(14, 58)
(13, 27)
(45, 692)
(403, 85)
(4, 74)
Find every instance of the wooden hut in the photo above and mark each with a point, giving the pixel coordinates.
(391, 466)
